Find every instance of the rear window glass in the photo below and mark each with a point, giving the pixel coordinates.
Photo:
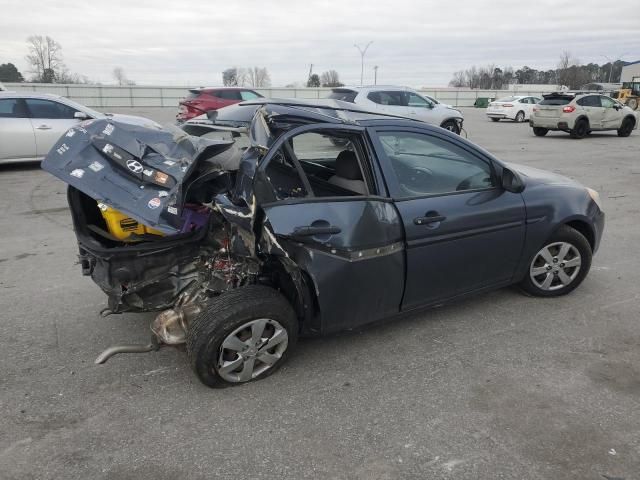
(193, 94)
(344, 95)
(556, 100)
(507, 99)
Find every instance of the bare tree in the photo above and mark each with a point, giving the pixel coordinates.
(258, 77)
(230, 77)
(121, 77)
(44, 58)
(330, 78)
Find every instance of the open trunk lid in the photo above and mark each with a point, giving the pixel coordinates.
(138, 171)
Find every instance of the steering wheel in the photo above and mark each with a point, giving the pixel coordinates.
(478, 180)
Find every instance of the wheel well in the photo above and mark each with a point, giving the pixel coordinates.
(580, 118)
(585, 230)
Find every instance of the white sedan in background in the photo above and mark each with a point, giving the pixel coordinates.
(31, 123)
(517, 108)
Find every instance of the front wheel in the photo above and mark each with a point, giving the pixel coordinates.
(242, 335)
(560, 265)
(452, 126)
(540, 132)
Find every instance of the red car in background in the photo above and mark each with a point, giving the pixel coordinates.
(201, 100)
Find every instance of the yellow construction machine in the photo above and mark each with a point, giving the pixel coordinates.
(629, 94)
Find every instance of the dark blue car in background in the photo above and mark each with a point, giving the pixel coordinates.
(300, 236)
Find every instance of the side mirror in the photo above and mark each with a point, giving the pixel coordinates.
(80, 115)
(511, 181)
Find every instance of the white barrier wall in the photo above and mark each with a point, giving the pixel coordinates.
(101, 97)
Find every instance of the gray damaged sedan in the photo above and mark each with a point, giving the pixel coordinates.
(242, 249)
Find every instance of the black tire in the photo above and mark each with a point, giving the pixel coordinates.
(580, 129)
(495, 119)
(626, 128)
(226, 313)
(540, 132)
(564, 234)
(452, 126)
(519, 117)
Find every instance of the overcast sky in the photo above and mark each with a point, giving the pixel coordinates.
(415, 43)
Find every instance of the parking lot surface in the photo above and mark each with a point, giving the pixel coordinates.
(497, 386)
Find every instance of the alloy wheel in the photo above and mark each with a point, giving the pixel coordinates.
(251, 349)
(555, 266)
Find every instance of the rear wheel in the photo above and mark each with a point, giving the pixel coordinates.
(520, 117)
(580, 129)
(452, 126)
(626, 128)
(242, 335)
(495, 119)
(540, 132)
(560, 265)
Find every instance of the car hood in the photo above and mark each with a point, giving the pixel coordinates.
(137, 170)
(538, 176)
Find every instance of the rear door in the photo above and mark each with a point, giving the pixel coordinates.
(50, 120)
(227, 97)
(391, 102)
(593, 109)
(463, 232)
(611, 116)
(348, 244)
(17, 140)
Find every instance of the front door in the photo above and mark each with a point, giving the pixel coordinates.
(50, 120)
(463, 232)
(326, 214)
(611, 113)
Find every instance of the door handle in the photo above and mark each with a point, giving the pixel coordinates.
(430, 217)
(310, 231)
(44, 127)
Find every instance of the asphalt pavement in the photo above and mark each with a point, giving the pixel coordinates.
(500, 386)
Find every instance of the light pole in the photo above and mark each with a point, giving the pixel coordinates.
(375, 75)
(362, 54)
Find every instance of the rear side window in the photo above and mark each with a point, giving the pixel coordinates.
(227, 94)
(193, 94)
(589, 101)
(49, 109)
(12, 108)
(396, 99)
(560, 100)
(344, 95)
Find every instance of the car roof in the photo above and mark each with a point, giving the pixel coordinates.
(204, 89)
(373, 88)
(334, 111)
(15, 94)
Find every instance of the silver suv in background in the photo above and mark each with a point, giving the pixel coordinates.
(579, 114)
(402, 102)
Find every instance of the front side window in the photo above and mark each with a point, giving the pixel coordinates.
(49, 109)
(607, 102)
(417, 101)
(12, 108)
(248, 95)
(428, 165)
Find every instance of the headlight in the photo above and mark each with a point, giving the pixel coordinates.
(595, 196)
